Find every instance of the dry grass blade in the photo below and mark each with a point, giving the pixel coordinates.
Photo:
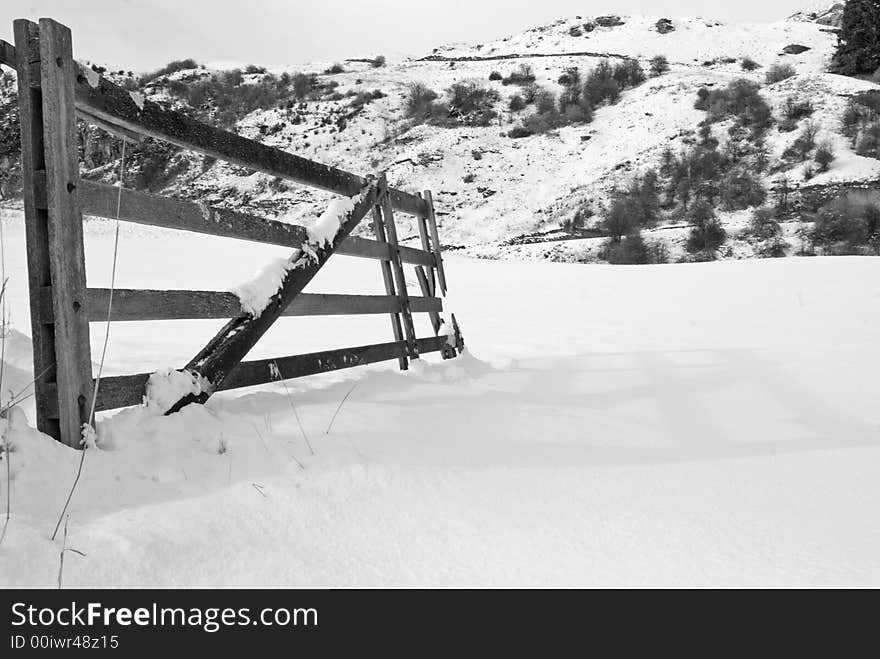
(277, 373)
(64, 550)
(339, 407)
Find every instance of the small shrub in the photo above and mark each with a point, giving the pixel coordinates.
(632, 250)
(545, 102)
(522, 75)
(516, 103)
(600, 85)
(518, 132)
(763, 224)
(787, 125)
(772, 248)
(251, 69)
(779, 72)
(845, 226)
(852, 119)
(361, 99)
(334, 69)
(659, 65)
(495, 75)
(748, 64)
(702, 102)
(571, 77)
(168, 69)
(741, 190)
(869, 100)
(740, 99)
(471, 104)
(658, 252)
(634, 208)
(707, 234)
(868, 141)
(419, 101)
(628, 73)
(303, 84)
(801, 148)
(551, 113)
(530, 92)
(152, 160)
(795, 109)
(824, 156)
(378, 62)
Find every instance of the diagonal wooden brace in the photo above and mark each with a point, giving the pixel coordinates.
(224, 352)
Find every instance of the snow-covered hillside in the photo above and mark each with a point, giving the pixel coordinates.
(694, 424)
(491, 188)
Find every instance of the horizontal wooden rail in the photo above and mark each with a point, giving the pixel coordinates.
(127, 390)
(101, 200)
(137, 305)
(114, 105)
(7, 54)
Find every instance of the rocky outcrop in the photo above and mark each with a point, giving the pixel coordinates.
(795, 49)
(832, 17)
(664, 26)
(609, 21)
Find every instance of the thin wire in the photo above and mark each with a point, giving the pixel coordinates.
(112, 287)
(6, 440)
(91, 422)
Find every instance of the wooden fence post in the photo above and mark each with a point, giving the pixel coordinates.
(62, 221)
(30, 104)
(388, 279)
(397, 267)
(435, 238)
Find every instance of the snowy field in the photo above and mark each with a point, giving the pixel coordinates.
(679, 425)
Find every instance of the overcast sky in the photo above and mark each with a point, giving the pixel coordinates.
(141, 34)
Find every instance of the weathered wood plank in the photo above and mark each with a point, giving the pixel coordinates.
(126, 390)
(141, 305)
(114, 105)
(257, 372)
(397, 267)
(100, 199)
(435, 238)
(7, 55)
(156, 210)
(422, 224)
(372, 249)
(388, 280)
(66, 253)
(36, 219)
(224, 352)
(119, 131)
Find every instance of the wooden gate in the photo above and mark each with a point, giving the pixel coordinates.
(53, 90)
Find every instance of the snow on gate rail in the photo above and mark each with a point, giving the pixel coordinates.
(53, 90)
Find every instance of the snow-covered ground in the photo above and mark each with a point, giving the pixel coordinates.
(694, 424)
